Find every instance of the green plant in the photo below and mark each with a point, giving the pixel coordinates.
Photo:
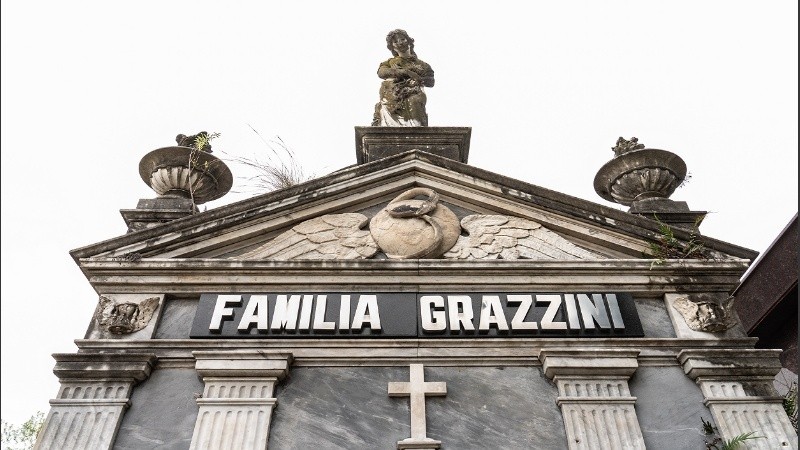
(790, 404)
(200, 144)
(277, 169)
(720, 444)
(670, 247)
(22, 437)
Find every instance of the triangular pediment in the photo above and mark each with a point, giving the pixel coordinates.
(335, 217)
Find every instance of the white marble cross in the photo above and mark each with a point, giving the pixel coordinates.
(417, 389)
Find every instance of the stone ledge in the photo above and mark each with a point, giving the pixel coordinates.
(242, 363)
(131, 366)
(374, 143)
(588, 362)
(729, 362)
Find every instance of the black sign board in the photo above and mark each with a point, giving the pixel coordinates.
(412, 315)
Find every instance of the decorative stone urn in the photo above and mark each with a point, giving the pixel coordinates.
(639, 175)
(185, 172)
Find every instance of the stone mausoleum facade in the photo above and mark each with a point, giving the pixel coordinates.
(413, 301)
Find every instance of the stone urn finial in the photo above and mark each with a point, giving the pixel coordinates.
(637, 174)
(187, 170)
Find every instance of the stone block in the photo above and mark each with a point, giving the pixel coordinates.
(374, 143)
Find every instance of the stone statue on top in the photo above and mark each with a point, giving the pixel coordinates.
(402, 97)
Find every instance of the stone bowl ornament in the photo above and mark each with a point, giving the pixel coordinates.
(637, 173)
(186, 170)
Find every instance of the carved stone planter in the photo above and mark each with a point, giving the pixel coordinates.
(640, 174)
(180, 172)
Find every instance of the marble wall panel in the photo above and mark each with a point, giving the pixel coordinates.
(669, 406)
(162, 413)
(655, 319)
(176, 319)
(349, 408)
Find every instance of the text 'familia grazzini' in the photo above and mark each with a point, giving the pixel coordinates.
(412, 314)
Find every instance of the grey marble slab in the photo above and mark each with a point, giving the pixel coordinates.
(176, 320)
(162, 413)
(670, 407)
(654, 317)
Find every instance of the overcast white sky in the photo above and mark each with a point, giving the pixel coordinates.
(89, 87)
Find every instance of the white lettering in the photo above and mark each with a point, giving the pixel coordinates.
(518, 322)
(616, 315)
(572, 312)
(490, 306)
(432, 319)
(592, 312)
(463, 318)
(367, 311)
(222, 311)
(305, 312)
(550, 313)
(285, 314)
(255, 314)
(319, 314)
(344, 313)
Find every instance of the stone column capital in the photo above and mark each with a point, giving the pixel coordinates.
(92, 366)
(242, 363)
(588, 362)
(729, 363)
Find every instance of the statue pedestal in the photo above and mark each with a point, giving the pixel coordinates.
(374, 143)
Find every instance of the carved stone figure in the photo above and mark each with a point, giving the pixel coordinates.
(402, 97)
(125, 317)
(409, 228)
(334, 236)
(703, 313)
(624, 146)
(503, 237)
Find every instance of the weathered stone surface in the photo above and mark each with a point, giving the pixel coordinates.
(496, 236)
(712, 313)
(683, 329)
(339, 408)
(125, 316)
(669, 407)
(92, 399)
(162, 413)
(409, 228)
(402, 94)
(238, 395)
(495, 407)
(332, 236)
(592, 391)
(485, 407)
(654, 317)
(375, 143)
(176, 319)
(737, 386)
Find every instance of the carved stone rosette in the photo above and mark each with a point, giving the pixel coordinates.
(640, 174)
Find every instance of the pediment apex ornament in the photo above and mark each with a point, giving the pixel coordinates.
(125, 317)
(409, 228)
(707, 312)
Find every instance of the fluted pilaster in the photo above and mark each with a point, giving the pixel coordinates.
(94, 393)
(594, 397)
(237, 403)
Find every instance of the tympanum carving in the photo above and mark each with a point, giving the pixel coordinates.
(415, 224)
(125, 317)
(410, 228)
(706, 312)
(503, 237)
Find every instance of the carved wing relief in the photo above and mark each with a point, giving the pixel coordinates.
(410, 227)
(495, 236)
(333, 236)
